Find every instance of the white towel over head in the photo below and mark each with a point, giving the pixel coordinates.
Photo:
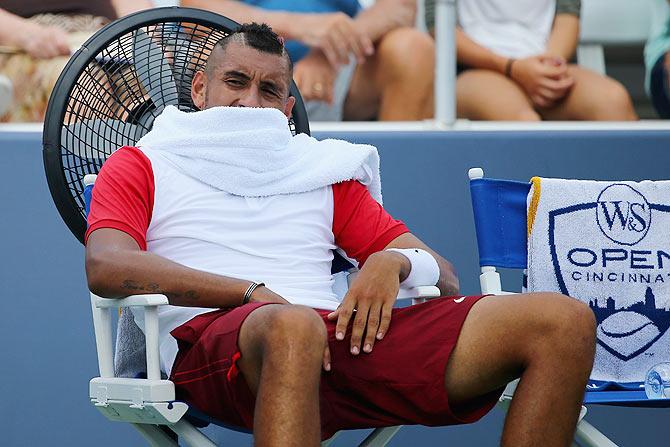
(251, 152)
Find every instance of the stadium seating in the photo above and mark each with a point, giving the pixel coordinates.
(609, 23)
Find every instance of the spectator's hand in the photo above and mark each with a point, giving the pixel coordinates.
(544, 78)
(336, 35)
(404, 13)
(315, 77)
(44, 42)
(369, 301)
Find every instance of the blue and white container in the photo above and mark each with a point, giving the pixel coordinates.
(657, 384)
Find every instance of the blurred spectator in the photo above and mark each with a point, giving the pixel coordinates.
(657, 59)
(513, 64)
(36, 39)
(5, 94)
(391, 73)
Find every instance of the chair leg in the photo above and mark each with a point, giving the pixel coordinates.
(155, 436)
(329, 441)
(191, 435)
(589, 436)
(380, 436)
(586, 434)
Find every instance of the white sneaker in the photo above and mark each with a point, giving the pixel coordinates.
(5, 94)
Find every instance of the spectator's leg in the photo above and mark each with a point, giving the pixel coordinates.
(546, 339)
(593, 97)
(487, 95)
(282, 350)
(396, 84)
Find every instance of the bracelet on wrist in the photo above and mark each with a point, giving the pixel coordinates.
(508, 67)
(247, 295)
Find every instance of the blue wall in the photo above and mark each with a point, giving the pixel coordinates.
(48, 351)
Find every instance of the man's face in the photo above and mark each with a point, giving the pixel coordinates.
(243, 77)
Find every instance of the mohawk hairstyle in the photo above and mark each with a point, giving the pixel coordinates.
(258, 36)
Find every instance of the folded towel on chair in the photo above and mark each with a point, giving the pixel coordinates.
(130, 354)
(608, 245)
(251, 152)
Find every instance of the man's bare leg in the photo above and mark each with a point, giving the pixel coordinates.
(396, 84)
(282, 350)
(546, 339)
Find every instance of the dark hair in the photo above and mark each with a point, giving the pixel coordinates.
(258, 36)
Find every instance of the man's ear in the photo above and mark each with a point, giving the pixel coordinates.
(199, 89)
(288, 108)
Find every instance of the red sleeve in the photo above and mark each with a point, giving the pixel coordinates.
(360, 224)
(123, 195)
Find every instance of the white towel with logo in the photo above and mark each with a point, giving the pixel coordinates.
(251, 152)
(608, 245)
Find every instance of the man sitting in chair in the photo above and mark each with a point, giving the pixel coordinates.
(215, 200)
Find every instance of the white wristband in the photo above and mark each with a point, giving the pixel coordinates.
(424, 270)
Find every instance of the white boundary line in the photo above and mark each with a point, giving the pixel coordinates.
(431, 125)
(488, 126)
(21, 127)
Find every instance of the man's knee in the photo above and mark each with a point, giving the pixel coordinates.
(407, 53)
(565, 324)
(296, 329)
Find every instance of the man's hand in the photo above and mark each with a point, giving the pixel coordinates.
(315, 77)
(544, 78)
(370, 300)
(336, 35)
(44, 42)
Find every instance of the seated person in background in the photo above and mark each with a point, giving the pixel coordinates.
(513, 64)
(391, 74)
(38, 37)
(657, 59)
(204, 206)
(5, 94)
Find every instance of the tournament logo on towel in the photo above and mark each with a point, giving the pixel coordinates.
(620, 266)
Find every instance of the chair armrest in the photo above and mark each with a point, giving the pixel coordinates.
(132, 300)
(139, 401)
(418, 292)
(102, 323)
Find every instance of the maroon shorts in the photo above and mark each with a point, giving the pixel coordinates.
(400, 383)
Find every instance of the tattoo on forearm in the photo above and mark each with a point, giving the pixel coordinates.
(129, 284)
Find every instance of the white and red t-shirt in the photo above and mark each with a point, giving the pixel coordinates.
(285, 241)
